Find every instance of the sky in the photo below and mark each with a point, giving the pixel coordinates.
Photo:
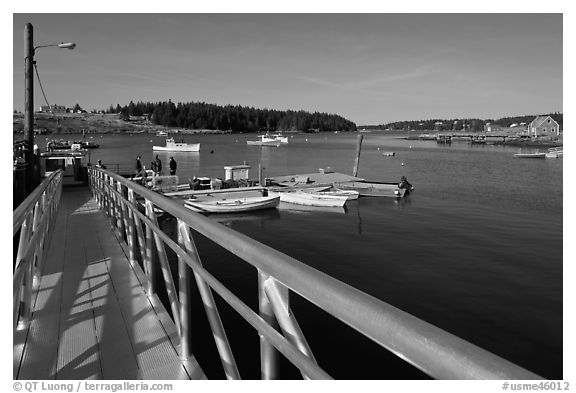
(370, 68)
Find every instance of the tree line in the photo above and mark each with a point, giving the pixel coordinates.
(469, 124)
(200, 115)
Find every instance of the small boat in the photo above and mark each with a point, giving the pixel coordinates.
(530, 155)
(269, 140)
(233, 205)
(180, 145)
(309, 197)
(378, 189)
(89, 145)
(389, 154)
(349, 194)
(555, 152)
(161, 133)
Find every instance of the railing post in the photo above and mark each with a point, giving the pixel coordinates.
(36, 256)
(131, 225)
(186, 241)
(279, 297)
(26, 303)
(185, 296)
(268, 354)
(165, 268)
(110, 200)
(121, 213)
(25, 235)
(150, 261)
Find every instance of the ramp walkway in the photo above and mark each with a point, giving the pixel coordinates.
(91, 317)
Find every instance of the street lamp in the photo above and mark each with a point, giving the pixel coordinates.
(29, 51)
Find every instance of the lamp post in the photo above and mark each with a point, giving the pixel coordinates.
(29, 51)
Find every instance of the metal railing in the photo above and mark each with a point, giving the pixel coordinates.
(33, 221)
(434, 351)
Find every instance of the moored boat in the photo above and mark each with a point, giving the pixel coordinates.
(180, 145)
(367, 188)
(555, 152)
(269, 140)
(309, 197)
(348, 194)
(233, 205)
(530, 155)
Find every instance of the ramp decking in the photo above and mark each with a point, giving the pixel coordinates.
(91, 317)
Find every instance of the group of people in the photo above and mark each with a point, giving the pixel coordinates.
(156, 166)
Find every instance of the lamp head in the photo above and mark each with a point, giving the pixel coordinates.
(67, 45)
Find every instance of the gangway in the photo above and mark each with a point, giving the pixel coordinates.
(83, 307)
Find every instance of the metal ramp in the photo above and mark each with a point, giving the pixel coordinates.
(91, 317)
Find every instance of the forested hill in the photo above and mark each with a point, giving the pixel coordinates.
(200, 115)
(458, 124)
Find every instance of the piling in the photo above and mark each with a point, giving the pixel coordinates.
(358, 148)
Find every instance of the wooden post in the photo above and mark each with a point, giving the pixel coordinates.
(29, 106)
(357, 161)
(260, 179)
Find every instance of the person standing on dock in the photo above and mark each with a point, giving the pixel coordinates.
(158, 165)
(173, 166)
(138, 166)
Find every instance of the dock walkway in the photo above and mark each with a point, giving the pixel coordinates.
(92, 318)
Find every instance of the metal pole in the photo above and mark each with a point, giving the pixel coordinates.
(268, 354)
(357, 161)
(29, 105)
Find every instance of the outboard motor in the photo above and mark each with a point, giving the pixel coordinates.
(404, 183)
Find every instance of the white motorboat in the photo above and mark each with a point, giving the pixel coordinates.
(269, 140)
(172, 145)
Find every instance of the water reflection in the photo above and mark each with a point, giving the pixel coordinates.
(291, 207)
(368, 205)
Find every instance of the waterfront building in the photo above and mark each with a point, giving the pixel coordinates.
(53, 108)
(543, 125)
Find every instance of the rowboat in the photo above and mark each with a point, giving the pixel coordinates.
(309, 197)
(530, 155)
(233, 205)
(376, 189)
(349, 194)
(172, 145)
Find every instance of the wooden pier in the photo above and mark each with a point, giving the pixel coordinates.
(91, 317)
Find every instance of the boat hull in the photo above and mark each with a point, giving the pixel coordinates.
(193, 147)
(259, 143)
(350, 195)
(375, 189)
(530, 155)
(305, 198)
(233, 205)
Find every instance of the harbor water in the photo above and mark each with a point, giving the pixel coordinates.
(476, 249)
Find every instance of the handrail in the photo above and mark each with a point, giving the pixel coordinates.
(431, 349)
(33, 219)
(26, 205)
